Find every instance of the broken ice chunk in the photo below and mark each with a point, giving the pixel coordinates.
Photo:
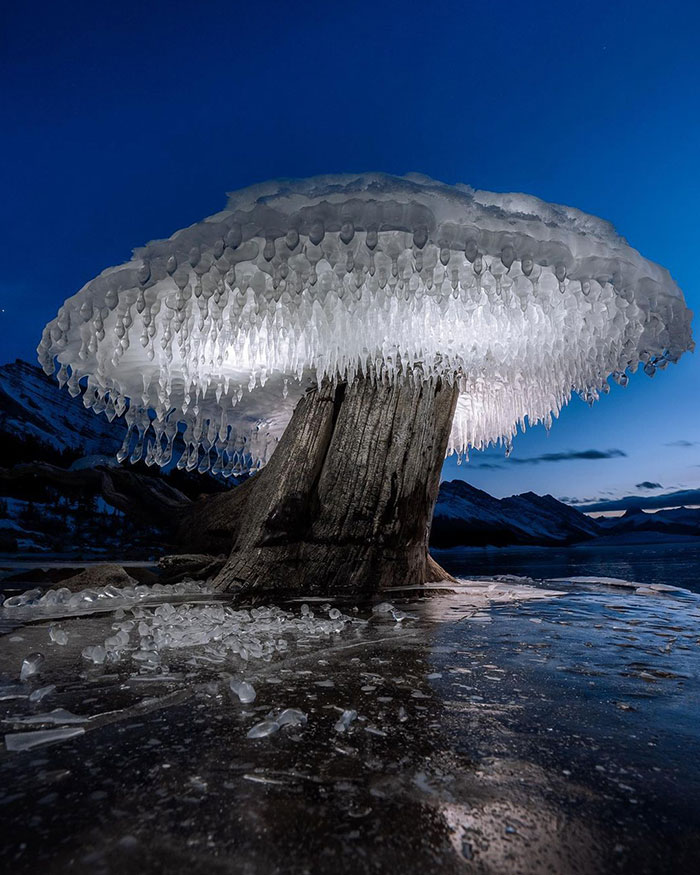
(346, 718)
(96, 654)
(245, 691)
(28, 740)
(25, 598)
(333, 614)
(58, 635)
(39, 694)
(112, 592)
(292, 717)
(31, 666)
(260, 730)
(398, 615)
(383, 608)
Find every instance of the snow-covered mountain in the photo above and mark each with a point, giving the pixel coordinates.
(41, 423)
(467, 516)
(37, 417)
(673, 521)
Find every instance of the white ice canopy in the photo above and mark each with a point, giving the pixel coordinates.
(222, 326)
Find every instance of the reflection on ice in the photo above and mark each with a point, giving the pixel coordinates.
(552, 731)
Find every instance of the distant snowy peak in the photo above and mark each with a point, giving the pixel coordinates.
(468, 516)
(677, 520)
(33, 409)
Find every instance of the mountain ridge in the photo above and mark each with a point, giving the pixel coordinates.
(467, 516)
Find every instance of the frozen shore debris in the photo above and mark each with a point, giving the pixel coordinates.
(64, 598)
(218, 631)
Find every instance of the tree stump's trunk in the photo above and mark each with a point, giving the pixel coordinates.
(346, 501)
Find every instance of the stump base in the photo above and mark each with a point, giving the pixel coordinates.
(345, 503)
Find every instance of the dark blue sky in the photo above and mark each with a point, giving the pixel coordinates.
(123, 122)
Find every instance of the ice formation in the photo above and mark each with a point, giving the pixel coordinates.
(217, 632)
(219, 329)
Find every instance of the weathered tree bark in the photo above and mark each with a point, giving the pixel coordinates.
(346, 501)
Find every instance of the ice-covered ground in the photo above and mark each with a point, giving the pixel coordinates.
(494, 726)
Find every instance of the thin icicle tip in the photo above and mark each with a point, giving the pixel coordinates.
(222, 326)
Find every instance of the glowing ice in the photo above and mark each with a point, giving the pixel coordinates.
(223, 325)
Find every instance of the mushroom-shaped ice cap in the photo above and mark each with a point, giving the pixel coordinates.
(221, 327)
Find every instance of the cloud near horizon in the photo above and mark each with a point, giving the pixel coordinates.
(645, 502)
(569, 455)
(566, 456)
(647, 484)
(684, 444)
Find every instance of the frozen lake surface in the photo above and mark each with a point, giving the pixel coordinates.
(676, 562)
(555, 734)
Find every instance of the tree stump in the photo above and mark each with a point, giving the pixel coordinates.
(346, 501)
